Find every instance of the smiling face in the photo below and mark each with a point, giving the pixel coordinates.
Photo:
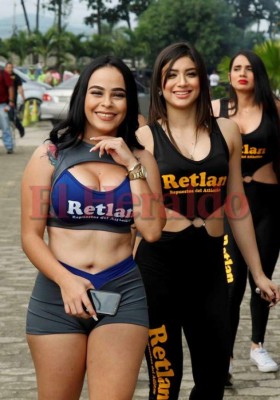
(182, 87)
(241, 75)
(105, 101)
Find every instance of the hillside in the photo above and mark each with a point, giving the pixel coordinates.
(17, 23)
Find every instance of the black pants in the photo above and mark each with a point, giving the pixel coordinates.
(189, 297)
(14, 117)
(264, 201)
(18, 125)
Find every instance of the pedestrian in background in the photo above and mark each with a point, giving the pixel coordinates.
(214, 79)
(7, 104)
(18, 90)
(104, 186)
(31, 73)
(255, 109)
(199, 162)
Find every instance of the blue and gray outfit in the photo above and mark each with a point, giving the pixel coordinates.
(74, 206)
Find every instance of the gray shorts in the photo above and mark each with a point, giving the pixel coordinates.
(46, 315)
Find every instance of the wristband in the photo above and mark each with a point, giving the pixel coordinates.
(135, 166)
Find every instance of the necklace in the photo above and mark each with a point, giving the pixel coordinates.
(172, 140)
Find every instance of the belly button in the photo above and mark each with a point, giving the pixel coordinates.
(247, 179)
(198, 222)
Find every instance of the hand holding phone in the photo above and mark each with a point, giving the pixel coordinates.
(104, 302)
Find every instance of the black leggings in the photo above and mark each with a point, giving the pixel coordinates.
(264, 201)
(190, 296)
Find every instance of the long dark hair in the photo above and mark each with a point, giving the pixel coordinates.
(71, 130)
(263, 96)
(171, 54)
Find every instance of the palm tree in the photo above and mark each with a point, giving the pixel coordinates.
(20, 45)
(26, 17)
(269, 52)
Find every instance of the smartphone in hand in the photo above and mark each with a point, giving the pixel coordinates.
(104, 302)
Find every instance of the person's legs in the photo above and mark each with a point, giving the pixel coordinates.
(60, 364)
(114, 356)
(164, 353)
(206, 317)
(237, 273)
(19, 126)
(6, 129)
(264, 203)
(265, 200)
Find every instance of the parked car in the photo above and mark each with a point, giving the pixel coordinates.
(33, 90)
(56, 100)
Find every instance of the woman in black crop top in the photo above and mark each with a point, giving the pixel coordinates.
(88, 186)
(199, 163)
(255, 109)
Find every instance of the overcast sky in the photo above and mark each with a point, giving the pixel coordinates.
(10, 8)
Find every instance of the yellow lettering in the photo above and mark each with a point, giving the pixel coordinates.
(169, 181)
(158, 353)
(184, 181)
(246, 150)
(158, 335)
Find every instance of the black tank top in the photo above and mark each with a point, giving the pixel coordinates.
(258, 146)
(192, 188)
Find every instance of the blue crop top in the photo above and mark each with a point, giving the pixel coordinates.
(257, 147)
(75, 206)
(192, 188)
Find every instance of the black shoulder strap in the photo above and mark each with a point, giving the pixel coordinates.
(223, 108)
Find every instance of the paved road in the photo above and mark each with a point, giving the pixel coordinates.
(17, 379)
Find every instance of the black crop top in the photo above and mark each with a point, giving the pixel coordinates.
(192, 188)
(75, 206)
(258, 146)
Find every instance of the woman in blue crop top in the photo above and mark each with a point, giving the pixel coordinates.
(199, 163)
(91, 185)
(255, 109)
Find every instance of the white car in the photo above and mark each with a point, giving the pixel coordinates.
(56, 100)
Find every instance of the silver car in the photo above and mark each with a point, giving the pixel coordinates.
(56, 100)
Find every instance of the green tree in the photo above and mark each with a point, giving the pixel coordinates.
(4, 48)
(207, 25)
(76, 47)
(269, 52)
(43, 44)
(99, 13)
(100, 44)
(249, 12)
(102, 11)
(61, 8)
(124, 9)
(20, 45)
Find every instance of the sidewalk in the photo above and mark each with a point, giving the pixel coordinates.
(17, 379)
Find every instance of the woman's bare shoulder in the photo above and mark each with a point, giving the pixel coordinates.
(230, 131)
(145, 137)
